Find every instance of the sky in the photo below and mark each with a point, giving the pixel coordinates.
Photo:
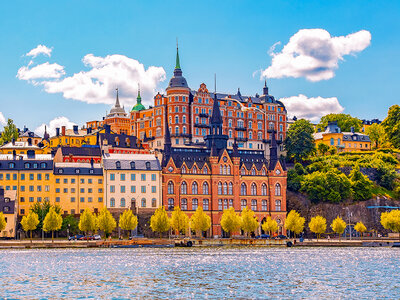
(61, 61)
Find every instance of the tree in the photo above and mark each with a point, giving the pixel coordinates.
(294, 222)
(322, 148)
(248, 221)
(41, 209)
(87, 222)
(52, 222)
(376, 134)
(106, 222)
(70, 224)
(3, 222)
(360, 185)
(10, 132)
(392, 125)
(30, 222)
(199, 221)
(332, 150)
(299, 141)
(360, 227)
(128, 221)
(391, 220)
(159, 221)
(230, 220)
(338, 226)
(179, 220)
(344, 121)
(317, 225)
(269, 226)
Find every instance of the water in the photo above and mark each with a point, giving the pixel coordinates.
(201, 273)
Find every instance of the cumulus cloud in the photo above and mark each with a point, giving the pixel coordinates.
(40, 49)
(314, 54)
(98, 83)
(41, 71)
(311, 108)
(3, 120)
(53, 124)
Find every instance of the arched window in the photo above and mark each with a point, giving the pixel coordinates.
(170, 187)
(230, 202)
(219, 204)
(205, 170)
(230, 134)
(43, 165)
(27, 165)
(133, 166)
(112, 202)
(277, 189)
(176, 130)
(195, 204)
(205, 204)
(170, 204)
(194, 170)
(219, 188)
(205, 188)
(224, 170)
(264, 189)
(123, 202)
(250, 124)
(118, 165)
(194, 188)
(225, 188)
(176, 119)
(278, 205)
(184, 119)
(228, 171)
(243, 171)
(280, 127)
(253, 189)
(243, 204)
(250, 135)
(225, 203)
(220, 169)
(332, 142)
(253, 171)
(263, 172)
(153, 202)
(143, 202)
(254, 205)
(183, 204)
(243, 189)
(183, 170)
(230, 190)
(264, 205)
(183, 188)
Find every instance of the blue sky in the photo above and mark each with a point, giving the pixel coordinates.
(229, 38)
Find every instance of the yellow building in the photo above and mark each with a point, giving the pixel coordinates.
(9, 207)
(21, 147)
(68, 137)
(343, 141)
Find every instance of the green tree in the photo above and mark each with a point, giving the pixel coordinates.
(299, 141)
(128, 221)
(87, 222)
(248, 221)
(360, 227)
(391, 220)
(344, 121)
(41, 209)
(3, 222)
(10, 132)
(270, 226)
(52, 222)
(159, 221)
(317, 225)
(322, 148)
(294, 222)
(70, 224)
(230, 220)
(392, 125)
(338, 226)
(179, 220)
(106, 222)
(199, 221)
(332, 150)
(360, 184)
(30, 222)
(376, 134)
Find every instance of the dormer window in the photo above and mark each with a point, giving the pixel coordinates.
(43, 165)
(118, 165)
(77, 171)
(133, 165)
(11, 165)
(60, 171)
(147, 165)
(27, 165)
(35, 165)
(91, 171)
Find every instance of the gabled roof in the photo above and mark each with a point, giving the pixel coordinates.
(80, 151)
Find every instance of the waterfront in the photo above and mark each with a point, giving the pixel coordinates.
(239, 272)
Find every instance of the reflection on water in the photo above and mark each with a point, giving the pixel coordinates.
(201, 272)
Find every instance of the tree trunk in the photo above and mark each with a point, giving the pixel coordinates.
(52, 236)
(31, 236)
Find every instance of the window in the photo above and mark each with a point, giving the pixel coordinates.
(184, 204)
(230, 202)
(112, 189)
(332, 142)
(219, 188)
(133, 166)
(153, 202)
(230, 190)
(118, 165)
(184, 188)
(31, 199)
(100, 199)
(122, 189)
(31, 177)
(112, 177)
(195, 204)
(170, 187)
(143, 177)
(112, 202)
(205, 170)
(122, 177)
(253, 205)
(194, 188)
(57, 199)
(183, 170)
(243, 189)
(148, 165)
(194, 170)
(278, 205)
(219, 204)
(205, 204)
(171, 204)
(253, 171)
(277, 189)
(143, 189)
(225, 204)
(243, 204)
(225, 186)
(153, 177)
(22, 199)
(253, 189)
(133, 189)
(122, 202)
(82, 199)
(205, 188)
(243, 171)
(264, 189)
(263, 172)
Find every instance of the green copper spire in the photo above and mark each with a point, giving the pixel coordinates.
(139, 99)
(178, 65)
(138, 106)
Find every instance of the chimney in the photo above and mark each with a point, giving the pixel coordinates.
(352, 129)
(14, 154)
(29, 142)
(89, 130)
(107, 128)
(13, 141)
(75, 128)
(57, 131)
(91, 162)
(63, 130)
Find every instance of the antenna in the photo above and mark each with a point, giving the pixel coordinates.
(215, 83)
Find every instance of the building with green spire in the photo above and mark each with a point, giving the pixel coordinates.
(138, 106)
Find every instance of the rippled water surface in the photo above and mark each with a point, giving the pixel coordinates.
(201, 273)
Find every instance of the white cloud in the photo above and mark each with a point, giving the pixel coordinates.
(3, 120)
(314, 54)
(41, 71)
(40, 49)
(311, 108)
(98, 84)
(53, 124)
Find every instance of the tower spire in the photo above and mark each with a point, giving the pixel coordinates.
(265, 89)
(139, 99)
(117, 100)
(177, 65)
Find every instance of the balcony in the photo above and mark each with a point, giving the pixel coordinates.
(200, 125)
(184, 135)
(240, 128)
(203, 115)
(242, 139)
(150, 138)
